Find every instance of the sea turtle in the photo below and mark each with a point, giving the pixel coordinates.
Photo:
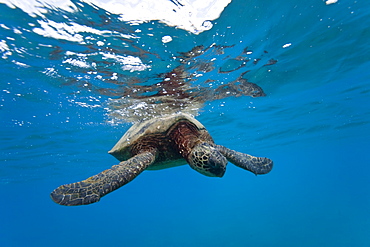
(159, 143)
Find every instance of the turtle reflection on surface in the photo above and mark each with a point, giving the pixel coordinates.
(176, 91)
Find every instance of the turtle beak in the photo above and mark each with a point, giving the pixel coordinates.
(217, 167)
(218, 172)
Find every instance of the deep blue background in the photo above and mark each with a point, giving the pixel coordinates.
(314, 124)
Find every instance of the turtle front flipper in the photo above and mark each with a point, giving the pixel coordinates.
(257, 165)
(92, 189)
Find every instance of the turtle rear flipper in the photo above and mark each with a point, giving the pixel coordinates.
(92, 189)
(257, 165)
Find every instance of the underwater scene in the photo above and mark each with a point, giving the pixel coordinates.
(275, 94)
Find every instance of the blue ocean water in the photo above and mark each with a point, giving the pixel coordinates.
(59, 118)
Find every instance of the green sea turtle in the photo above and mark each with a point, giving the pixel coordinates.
(159, 143)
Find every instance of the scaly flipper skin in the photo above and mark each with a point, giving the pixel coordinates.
(92, 189)
(248, 162)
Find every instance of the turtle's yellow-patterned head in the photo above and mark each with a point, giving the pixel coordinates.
(207, 160)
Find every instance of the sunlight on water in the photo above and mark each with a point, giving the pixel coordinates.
(194, 16)
(129, 68)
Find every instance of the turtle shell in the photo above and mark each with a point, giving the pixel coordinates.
(160, 125)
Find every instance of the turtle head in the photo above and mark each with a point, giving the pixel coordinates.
(207, 160)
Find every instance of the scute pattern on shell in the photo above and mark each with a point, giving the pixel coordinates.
(153, 126)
